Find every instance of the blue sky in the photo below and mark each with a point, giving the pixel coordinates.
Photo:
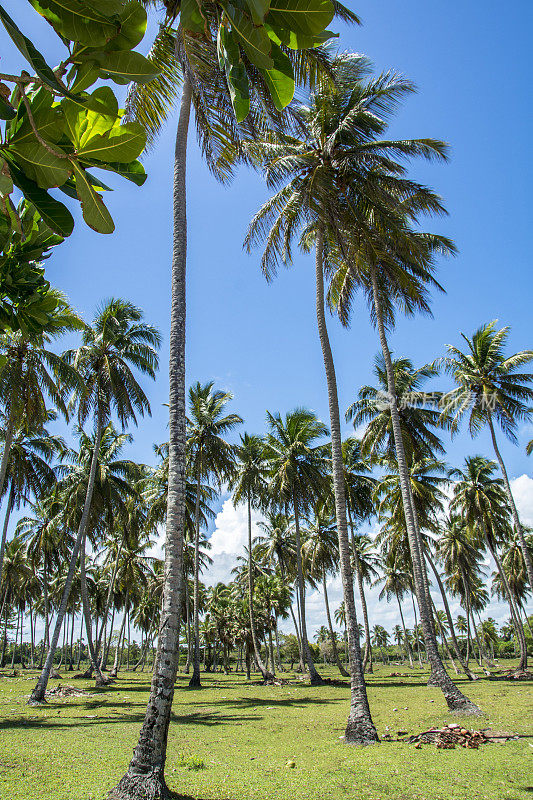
(471, 63)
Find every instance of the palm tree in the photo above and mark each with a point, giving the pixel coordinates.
(297, 467)
(249, 486)
(380, 638)
(490, 388)
(116, 341)
(320, 557)
(210, 457)
(340, 619)
(396, 582)
(365, 562)
(309, 172)
(483, 502)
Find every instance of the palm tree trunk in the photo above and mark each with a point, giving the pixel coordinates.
(330, 627)
(145, 774)
(4, 529)
(116, 663)
(37, 696)
(14, 653)
(110, 592)
(407, 644)
(315, 678)
(455, 643)
(516, 519)
(105, 655)
(8, 442)
(86, 609)
(455, 699)
(267, 676)
(522, 666)
(71, 645)
(195, 682)
(189, 635)
(367, 660)
(359, 729)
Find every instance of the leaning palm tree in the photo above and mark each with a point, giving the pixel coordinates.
(249, 486)
(297, 465)
(365, 563)
(310, 172)
(482, 500)
(212, 458)
(491, 388)
(117, 341)
(396, 582)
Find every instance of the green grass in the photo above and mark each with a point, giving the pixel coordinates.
(232, 740)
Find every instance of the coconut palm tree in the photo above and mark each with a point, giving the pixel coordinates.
(310, 172)
(396, 582)
(113, 346)
(249, 486)
(340, 619)
(212, 458)
(321, 557)
(297, 479)
(482, 500)
(491, 388)
(365, 564)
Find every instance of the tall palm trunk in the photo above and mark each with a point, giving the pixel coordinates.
(5, 527)
(37, 696)
(367, 657)
(315, 678)
(330, 628)
(455, 699)
(406, 641)
(116, 663)
(359, 728)
(195, 682)
(451, 627)
(516, 519)
(267, 675)
(519, 630)
(109, 595)
(86, 610)
(145, 774)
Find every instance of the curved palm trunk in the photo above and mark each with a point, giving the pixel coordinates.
(519, 630)
(4, 529)
(109, 596)
(330, 627)
(37, 696)
(516, 519)
(367, 658)
(267, 676)
(455, 699)
(359, 728)
(451, 627)
(195, 682)
(315, 678)
(8, 443)
(116, 662)
(145, 775)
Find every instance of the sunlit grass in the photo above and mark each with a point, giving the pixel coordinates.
(232, 740)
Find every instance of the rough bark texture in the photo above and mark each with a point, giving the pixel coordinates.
(455, 699)
(516, 519)
(145, 778)
(37, 696)
(359, 728)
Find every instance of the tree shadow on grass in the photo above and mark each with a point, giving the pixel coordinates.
(207, 719)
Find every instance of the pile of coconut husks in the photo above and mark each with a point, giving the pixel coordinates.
(454, 735)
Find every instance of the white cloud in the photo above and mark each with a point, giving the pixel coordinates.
(522, 489)
(228, 540)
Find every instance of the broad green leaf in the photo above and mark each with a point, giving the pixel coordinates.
(237, 79)
(93, 208)
(258, 10)
(133, 21)
(85, 75)
(78, 21)
(133, 172)
(301, 16)
(83, 122)
(69, 188)
(124, 66)
(31, 54)
(280, 80)
(255, 41)
(39, 164)
(191, 17)
(55, 214)
(49, 123)
(298, 41)
(123, 143)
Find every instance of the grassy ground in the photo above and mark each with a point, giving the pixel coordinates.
(245, 733)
